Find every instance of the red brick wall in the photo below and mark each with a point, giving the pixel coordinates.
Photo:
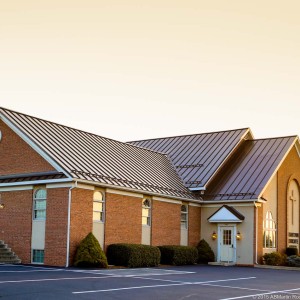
(17, 156)
(194, 225)
(56, 227)
(81, 218)
(15, 222)
(123, 221)
(290, 169)
(165, 223)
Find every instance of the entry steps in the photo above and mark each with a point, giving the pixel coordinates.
(7, 256)
(222, 263)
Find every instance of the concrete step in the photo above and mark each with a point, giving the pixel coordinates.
(4, 250)
(7, 256)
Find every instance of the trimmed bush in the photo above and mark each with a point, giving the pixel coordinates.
(178, 255)
(274, 259)
(293, 261)
(205, 254)
(133, 255)
(291, 251)
(89, 253)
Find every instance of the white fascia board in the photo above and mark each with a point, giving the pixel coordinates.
(195, 204)
(197, 189)
(278, 166)
(16, 188)
(36, 148)
(136, 191)
(35, 182)
(162, 199)
(230, 201)
(226, 221)
(124, 193)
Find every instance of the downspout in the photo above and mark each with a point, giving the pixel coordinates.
(69, 223)
(256, 231)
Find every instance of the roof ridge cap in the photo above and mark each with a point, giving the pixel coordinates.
(185, 135)
(80, 130)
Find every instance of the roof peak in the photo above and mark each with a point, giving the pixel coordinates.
(79, 130)
(186, 135)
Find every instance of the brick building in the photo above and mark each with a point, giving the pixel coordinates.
(57, 184)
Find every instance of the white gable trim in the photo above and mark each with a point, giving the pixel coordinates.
(36, 148)
(279, 165)
(224, 216)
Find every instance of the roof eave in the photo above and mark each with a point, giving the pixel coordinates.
(137, 190)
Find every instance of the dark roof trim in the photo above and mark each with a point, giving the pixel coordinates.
(232, 210)
(12, 176)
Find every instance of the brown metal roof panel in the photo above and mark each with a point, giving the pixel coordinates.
(208, 150)
(78, 150)
(256, 164)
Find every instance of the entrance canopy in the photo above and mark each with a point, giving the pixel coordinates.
(226, 214)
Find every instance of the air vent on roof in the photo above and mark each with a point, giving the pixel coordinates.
(193, 182)
(189, 166)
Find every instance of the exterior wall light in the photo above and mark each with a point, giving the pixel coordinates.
(214, 235)
(2, 205)
(238, 236)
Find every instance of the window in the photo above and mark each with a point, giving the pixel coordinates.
(98, 207)
(269, 231)
(39, 204)
(146, 212)
(38, 256)
(184, 216)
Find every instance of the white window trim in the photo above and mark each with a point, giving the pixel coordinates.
(271, 230)
(149, 217)
(186, 213)
(103, 207)
(34, 202)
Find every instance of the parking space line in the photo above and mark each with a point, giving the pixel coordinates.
(263, 294)
(162, 285)
(55, 279)
(158, 279)
(131, 288)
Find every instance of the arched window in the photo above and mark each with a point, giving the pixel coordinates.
(98, 207)
(39, 204)
(269, 231)
(184, 216)
(146, 212)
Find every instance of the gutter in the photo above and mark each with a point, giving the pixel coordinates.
(138, 191)
(69, 223)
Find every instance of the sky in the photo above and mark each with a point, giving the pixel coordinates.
(132, 70)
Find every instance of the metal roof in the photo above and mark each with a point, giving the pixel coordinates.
(247, 173)
(94, 158)
(197, 157)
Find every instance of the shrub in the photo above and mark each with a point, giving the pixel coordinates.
(133, 255)
(293, 261)
(178, 255)
(205, 254)
(90, 254)
(274, 259)
(291, 251)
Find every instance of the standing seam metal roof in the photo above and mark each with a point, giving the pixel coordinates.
(247, 173)
(94, 158)
(197, 157)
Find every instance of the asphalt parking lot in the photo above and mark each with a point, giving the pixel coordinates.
(189, 282)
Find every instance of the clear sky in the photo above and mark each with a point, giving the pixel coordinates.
(139, 69)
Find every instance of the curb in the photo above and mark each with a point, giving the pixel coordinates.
(277, 267)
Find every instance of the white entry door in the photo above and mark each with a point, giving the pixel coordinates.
(227, 243)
